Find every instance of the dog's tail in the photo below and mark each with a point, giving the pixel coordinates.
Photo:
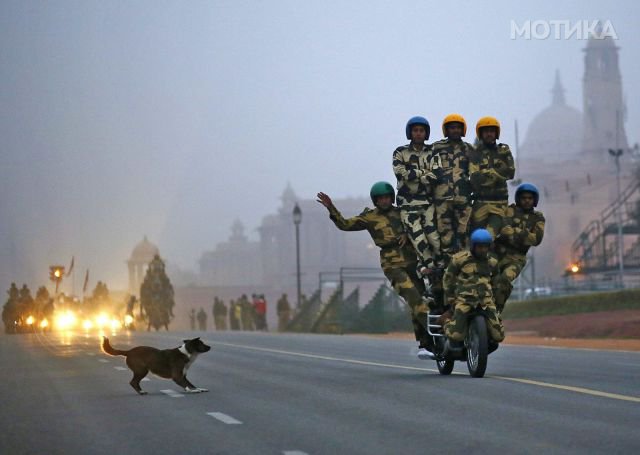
(106, 347)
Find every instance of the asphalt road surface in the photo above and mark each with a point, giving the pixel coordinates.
(313, 394)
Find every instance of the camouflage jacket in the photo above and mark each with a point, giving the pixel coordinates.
(470, 278)
(385, 229)
(450, 164)
(415, 181)
(490, 166)
(520, 231)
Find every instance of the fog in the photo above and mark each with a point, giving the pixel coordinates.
(173, 119)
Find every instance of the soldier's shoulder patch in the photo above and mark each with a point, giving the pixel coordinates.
(503, 147)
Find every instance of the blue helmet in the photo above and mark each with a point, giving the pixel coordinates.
(417, 120)
(528, 188)
(481, 236)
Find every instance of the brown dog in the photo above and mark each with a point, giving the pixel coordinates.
(166, 363)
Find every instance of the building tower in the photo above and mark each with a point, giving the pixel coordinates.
(603, 104)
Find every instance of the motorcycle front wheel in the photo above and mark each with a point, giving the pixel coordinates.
(477, 345)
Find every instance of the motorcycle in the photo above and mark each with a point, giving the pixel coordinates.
(476, 347)
(477, 343)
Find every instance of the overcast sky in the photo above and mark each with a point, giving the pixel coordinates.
(172, 119)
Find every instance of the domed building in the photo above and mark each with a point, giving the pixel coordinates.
(555, 134)
(142, 254)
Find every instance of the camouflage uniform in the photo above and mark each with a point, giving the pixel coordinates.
(490, 167)
(219, 314)
(452, 194)
(520, 231)
(469, 281)
(284, 313)
(398, 263)
(415, 200)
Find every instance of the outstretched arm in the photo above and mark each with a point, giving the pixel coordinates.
(356, 223)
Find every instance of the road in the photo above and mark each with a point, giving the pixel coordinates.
(312, 394)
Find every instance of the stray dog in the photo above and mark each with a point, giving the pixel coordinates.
(166, 363)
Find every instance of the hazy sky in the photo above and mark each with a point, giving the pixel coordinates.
(172, 119)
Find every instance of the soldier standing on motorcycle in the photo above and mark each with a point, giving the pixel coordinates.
(468, 283)
(398, 259)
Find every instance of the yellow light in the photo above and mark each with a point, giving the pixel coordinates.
(128, 319)
(44, 323)
(115, 324)
(575, 268)
(30, 320)
(102, 320)
(57, 273)
(87, 324)
(66, 320)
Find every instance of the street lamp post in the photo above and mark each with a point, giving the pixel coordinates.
(617, 153)
(297, 219)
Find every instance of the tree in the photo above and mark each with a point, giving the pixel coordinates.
(156, 295)
(10, 310)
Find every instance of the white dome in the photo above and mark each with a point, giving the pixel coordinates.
(555, 134)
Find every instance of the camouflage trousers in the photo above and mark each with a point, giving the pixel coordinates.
(456, 328)
(420, 224)
(220, 322)
(510, 266)
(488, 215)
(283, 320)
(452, 219)
(406, 283)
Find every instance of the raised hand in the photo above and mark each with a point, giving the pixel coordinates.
(324, 199)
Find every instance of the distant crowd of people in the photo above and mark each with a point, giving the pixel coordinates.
(242, 314)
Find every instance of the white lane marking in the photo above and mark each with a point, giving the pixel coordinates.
(120, 368)
(595, 393)
(224, 418)
(172, 393)
(91, 353)
(145, 379)
(294, 452)
(103, 360)
(592, 392)
(334, 359)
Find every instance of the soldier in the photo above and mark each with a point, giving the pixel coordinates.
(202, 320)
(247, 317)
(490, 167)
(235, 313)
(452, 193)
(469, 280)
(415, 193)
(192, 319)
(284, 313)
(397, 257)
(219, 314)
(523, 227)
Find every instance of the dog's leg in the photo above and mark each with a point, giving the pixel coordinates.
(197, 389)
(135, 381)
